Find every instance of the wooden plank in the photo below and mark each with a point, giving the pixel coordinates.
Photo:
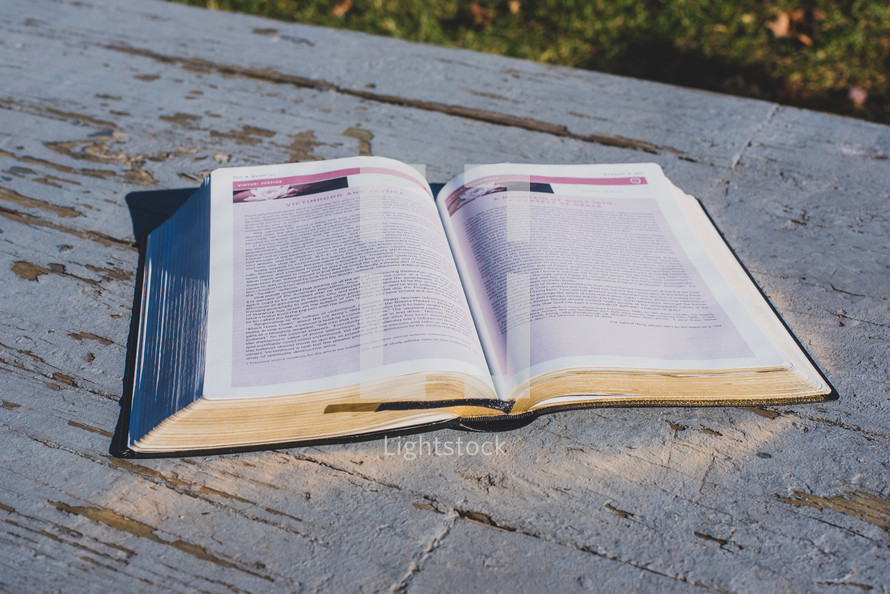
(244, 522)
(478, 86)
(129, 97)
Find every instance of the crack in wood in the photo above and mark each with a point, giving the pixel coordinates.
(401, 586)
(9, 195)
(50, 180)
(592, 551)
(868, 507)
(79, 117)
(846, 317)
(91, 429)
(75, 537)
(620, 512)
(839, 424)
(90, 336)
(236, 475)
(19, 368)
(106, 566)
(478, 517)
(305, 458)
(34, 357)
(33, 221)
(180, 486)
(482, 115)
(763, 412)
(833, 288)
(736, 159)
(281, 513)
(94, 173)
(510, 528)
(40, 110)
(190, 489)
(141, 530)
(427, 507)
(864, 587)
(720, 541)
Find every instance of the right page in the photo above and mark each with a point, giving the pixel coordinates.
(602, 281)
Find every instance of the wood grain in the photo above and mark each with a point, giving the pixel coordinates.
(106, 98)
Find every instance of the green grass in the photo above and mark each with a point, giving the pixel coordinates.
(829, 55)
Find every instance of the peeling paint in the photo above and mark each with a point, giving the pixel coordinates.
(364, 138)
(140, 176)
(97, 150)
(181, 119)
(28, 271)
(111, 274)
(301, 147)
(248, 135)
(64, 379)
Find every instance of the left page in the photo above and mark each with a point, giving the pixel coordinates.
(331, 274)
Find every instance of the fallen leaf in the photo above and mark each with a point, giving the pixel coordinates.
(481, 16)
(858, 96)
(342, 8)
(781, 25)
(797, 16)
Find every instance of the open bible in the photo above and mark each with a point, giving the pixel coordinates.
(323, 300)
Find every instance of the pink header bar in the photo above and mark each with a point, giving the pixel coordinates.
(293, 179)
(589, 181)
(454, 200)
(318, 177)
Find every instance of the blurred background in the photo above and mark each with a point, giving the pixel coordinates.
(827, 55)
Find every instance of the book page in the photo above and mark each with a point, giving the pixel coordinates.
(331, 274)
(591, 266)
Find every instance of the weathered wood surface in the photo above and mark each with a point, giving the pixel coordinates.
(102, 98)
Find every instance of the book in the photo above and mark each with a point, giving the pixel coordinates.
(329, 300)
